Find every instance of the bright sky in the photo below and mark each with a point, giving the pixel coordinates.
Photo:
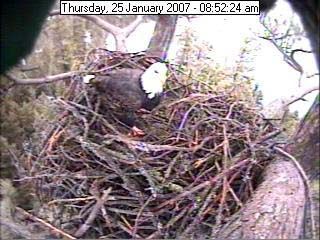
(276, 79)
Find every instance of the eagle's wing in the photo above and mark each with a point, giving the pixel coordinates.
(122, 88)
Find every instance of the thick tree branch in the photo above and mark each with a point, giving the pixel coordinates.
(47, 79)
(300, 96)
(120, 34)
(132, 26)
(114, 30)
(162, 37)
(284, 108)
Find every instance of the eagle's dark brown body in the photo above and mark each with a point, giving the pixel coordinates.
(121, 89)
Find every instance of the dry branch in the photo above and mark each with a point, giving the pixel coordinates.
(46, 224)
(47, 79)
(120, 34)
(300, 96)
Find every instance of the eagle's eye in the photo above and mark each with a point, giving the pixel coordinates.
(156, 71)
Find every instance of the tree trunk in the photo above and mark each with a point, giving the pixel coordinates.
(305, 143)
(276, 210)
(162, 37)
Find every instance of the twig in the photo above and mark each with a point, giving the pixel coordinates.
(136, 222)
(96, 208)
(48, 225)
(71, 200)
(47, 79)
(269, 136)
(300, 96)
(146, 147)
(204, 184)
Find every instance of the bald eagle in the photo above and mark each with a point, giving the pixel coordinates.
(130, 90)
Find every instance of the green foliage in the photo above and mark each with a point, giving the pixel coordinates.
(16, 121)
(23, 116)
(198, 67)
(7, 169)
(285, 32)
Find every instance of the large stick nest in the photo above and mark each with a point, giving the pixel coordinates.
(198, 164)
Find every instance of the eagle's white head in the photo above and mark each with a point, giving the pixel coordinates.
(154, 78)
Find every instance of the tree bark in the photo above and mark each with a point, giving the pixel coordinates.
(163, 35)
(276, 210)
(305, 143)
